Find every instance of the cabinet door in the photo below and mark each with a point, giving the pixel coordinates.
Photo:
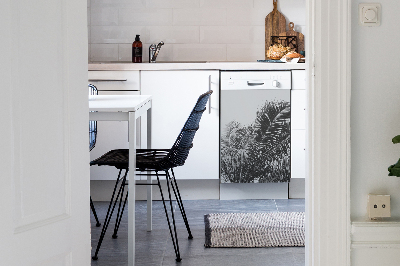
(298, 153)
(174, 96)
(298, 109)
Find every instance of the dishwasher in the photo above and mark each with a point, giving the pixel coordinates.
(254, 134)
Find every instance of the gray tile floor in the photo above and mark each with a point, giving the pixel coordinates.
(155, 248)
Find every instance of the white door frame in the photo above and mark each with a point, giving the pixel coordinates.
(329, 82)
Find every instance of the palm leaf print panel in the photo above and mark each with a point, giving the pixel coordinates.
(255, 136)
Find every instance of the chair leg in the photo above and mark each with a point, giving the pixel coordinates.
(174, 239)
(94, 213)
(120, 211)
(180, 203)
(109, 212)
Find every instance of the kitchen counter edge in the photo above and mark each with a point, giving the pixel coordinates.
(195, 66)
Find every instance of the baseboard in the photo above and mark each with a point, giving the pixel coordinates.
(198, 189)
(375, 242)
(254, 191)
(297, 188)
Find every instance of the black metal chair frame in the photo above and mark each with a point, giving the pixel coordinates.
(92, 143)
(153, 161)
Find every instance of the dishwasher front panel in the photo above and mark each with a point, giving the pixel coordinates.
(254, 134)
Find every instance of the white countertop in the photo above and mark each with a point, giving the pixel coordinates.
(196, 66)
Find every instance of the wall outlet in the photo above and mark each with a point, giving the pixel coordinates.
(378, 206)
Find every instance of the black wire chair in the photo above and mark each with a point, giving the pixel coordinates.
(92, 143)
(154, 160)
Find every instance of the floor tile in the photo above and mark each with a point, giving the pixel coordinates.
(155, 248)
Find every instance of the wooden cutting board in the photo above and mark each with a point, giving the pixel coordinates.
(292, 32)
(275, 23)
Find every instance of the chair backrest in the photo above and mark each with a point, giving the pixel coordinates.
(180, 150)
(92, 124)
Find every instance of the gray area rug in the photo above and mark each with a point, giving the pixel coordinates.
(238, 230)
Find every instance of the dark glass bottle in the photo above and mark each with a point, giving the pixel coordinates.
(137, 49)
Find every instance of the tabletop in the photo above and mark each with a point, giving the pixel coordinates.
(121, 103)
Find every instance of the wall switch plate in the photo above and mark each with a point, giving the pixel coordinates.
(378, 206)
(369, 14)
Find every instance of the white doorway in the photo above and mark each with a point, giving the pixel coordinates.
(327, 186)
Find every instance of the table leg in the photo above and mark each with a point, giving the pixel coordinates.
(149, 178)
(132, 190)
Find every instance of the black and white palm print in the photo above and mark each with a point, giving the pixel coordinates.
(259, 151)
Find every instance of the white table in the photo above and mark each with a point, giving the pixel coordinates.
(127, 108)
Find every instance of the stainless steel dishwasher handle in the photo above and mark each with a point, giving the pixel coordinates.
(209, 89)
(249, 83)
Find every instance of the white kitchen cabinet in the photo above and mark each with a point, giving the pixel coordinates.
(174, 96)
(298, 125)
(298, 79)
(298, 158)
(112, 134)
(298, 109)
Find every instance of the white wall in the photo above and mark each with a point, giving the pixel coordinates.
(375, 108)
(375, 113)
(193, 30)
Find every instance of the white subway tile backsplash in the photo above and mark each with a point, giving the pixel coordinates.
(104, 52)
(145, 17)
(224, 34)
(119, 3)
(294, 10)
(115, 34)
(125, 52)
(172, 3)
(246, 17)
(265, 5)
(173, 34)
(258, 35)
(192, 30)
(245, 52)
(239, 4)
(199, 52)
(214, 3)
(226, 4)
(300, 28)
(199, 16)
(105, 16)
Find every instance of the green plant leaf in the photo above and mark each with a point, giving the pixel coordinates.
(394, 170)
(396, 139)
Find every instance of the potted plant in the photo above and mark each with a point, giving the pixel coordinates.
(394, 170)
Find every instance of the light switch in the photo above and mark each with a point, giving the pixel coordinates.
(369, 14)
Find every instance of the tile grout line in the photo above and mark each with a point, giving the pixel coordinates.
(276, 205)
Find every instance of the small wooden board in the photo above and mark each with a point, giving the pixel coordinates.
(275, 23)
(292, 32)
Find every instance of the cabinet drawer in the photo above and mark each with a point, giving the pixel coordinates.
(298, 79)
(115, 80)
